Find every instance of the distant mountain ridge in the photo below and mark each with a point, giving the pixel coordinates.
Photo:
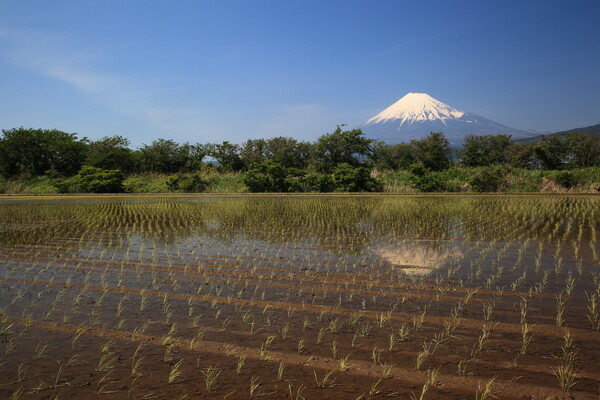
(417, 114)
(593, 130)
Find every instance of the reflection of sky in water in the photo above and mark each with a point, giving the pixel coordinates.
(420, 233)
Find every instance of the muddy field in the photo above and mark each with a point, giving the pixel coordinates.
(269, 297)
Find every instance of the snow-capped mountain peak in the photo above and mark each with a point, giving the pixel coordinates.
(417, 114)
(416, 107)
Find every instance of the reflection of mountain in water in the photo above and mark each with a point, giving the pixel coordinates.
(416, 259)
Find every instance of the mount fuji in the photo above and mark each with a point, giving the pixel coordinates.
(417, 114)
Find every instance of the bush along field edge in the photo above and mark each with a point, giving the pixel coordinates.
(36, 161)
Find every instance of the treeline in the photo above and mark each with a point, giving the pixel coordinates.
(343, 160)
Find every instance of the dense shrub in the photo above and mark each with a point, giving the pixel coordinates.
(316, 182)
(186, 183)
(96, 180)
(424, 180)
(429, 182)
(565, 179)
(267, 176)
(418, 170)
(353, 179)
(67, 185)
(488, 179)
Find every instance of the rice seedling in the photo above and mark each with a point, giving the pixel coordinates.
(432, 381)
(106, 363)
(386, 370)
(393, 338)
(280, 370)
(334, 326)
(566, 376)
(481, 340)
(39, 351)
(421, 357)
(327, 381)
(5, 330)
(462, 367)
(240, 363)
(419, 320)
(403, 332)
(344, 363)
(523, 306)
(175, 371)
(301, 346)
(135, 367)
(210, 377)
(384, 319)
(297, 395)
(486, 392)
(593, 309)
(373, 390)
(334, 349)
(16, 395)
(284, 330)
(306, 323)
(560, 309)
(21, 372)
(488, 309)
(364, 330)
(526, 337)
(424, 390)
(265, 346)
(321, 334)
(254, 384)
(375, 354)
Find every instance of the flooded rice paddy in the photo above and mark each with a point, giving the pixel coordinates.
(309, 297)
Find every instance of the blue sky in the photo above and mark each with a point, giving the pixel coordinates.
(208, 71)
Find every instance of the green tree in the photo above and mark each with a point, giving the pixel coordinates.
(253, 152)
(111, 152)
(36, 151)
(338, 147)
(553, 151)
(164, 156)
(288, 152)
(519, 155)
(196, 154)
(227, 155)
(433, 152)
(392, 156)
(585, 150)
(485, 150)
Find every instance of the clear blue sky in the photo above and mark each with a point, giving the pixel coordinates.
(208, 71)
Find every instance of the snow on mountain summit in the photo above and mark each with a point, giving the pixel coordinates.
(417, 114)
(416, 107)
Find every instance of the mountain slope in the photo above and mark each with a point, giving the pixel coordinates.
(593, 130)
(417, 114)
